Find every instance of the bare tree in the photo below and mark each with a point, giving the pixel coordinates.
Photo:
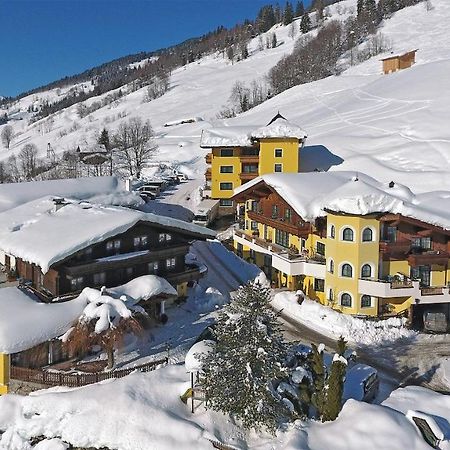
(134, 145)
(293, 30)
(12, 169)
(28, 161)
(7, 135)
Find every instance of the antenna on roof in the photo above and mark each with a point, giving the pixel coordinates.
(278, 116)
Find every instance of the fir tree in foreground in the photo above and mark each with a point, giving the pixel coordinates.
(249, 355)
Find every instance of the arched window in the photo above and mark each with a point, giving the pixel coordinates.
(331, 268)
(347, 234)
(366, 301)
(332, 231)
(366, 271)
(367, 235)
(346, 270)
(346, 300)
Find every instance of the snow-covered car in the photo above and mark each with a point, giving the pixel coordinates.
(435, 322)
(432, 428)
(361, 383)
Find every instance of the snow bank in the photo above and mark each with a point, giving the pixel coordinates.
(36, 233)
(333, 323)
(151, 415)
(311, 194)
(193, 362)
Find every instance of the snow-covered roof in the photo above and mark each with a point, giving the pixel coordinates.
(311, 194)
(400, 54)
(14, 194)
(36, 233)
(244, 136)
(25, 322)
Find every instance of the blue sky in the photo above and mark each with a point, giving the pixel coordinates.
(44, 40)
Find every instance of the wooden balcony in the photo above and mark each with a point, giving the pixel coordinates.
(251, 159)
(281, 224)
(208, 158)
(428, 258)
(247, 176)
(208, 174)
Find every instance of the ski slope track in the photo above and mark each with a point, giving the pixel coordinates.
(393, 127)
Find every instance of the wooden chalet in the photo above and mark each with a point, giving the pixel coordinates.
(399, 62)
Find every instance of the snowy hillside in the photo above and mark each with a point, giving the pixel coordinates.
(390, 126)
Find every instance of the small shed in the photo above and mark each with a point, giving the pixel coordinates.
(399, 62)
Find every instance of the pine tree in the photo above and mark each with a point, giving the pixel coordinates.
(248, 356)
(319, 375)
(335, 384)
(359, 7)
(305, 24)
(288, 15)
(299, 9)
(103, 139)
(274, 40)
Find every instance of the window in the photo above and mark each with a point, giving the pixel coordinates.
(226, 169)
(366, 271)
(366, 301)
(347, 234)
(226, 152)
(76, 283)
(113, 245)
(332, 232)
(254, 225)
(278, 168)
(140, 241)
(274, 211)
(288, 214)
(331, 266)
(252, 254)
(320, 248)
(423, 243)
(129, 271)
(391, 234)
(278, 152)
(170, 263)
(250, 168)
(253, 205)
(367, 235)
(319, 285)
(330, 294)
(226, 186)
(282, 238)
(153, 267)
(346, 300)
(99, 279)
(225, 202)
(246, 225)
(164, 237)
(346, 270)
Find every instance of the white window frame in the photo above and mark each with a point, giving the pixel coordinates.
(278, 171)
(341, 233)
(171, 263)
(360, 301)
(372, 270)
(341, 265)
(275, 152)
(374, 235)
(351, 299)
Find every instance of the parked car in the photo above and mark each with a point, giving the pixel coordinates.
(361, 383)
(432, 428)
(435, 322)
(206, 212)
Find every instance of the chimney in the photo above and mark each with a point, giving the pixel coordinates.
(58, 203)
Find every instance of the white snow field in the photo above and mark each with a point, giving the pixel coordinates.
(392, 126)
(144, 411)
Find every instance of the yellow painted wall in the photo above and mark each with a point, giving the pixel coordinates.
(217, 177)
(394, 267)
(356, 253)
(4, 373)
(290, 157)
(182, 289)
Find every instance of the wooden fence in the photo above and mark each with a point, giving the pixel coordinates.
(54, 378)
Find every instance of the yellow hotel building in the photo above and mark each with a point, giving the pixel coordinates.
(348, 241)
(241, 153)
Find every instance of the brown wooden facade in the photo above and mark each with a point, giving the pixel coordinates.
(143, 249)
(399, 62)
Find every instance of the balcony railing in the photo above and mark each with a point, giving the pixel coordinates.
(281, 224)
(208, 174)
(246, 176)
(249, 159)
(431, 290)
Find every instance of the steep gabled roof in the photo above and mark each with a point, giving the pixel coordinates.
(36, 233)
(312, 194)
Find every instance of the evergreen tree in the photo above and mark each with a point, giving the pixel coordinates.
(305, 23)
(335, 384)
(359, 7)
(299, 9)
(265, 19)
(288, 15)
(318, 5)
(319, 375)
(274, 40)
(249, 354)
(103, 139)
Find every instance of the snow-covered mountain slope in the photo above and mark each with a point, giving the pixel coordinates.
(389, 126)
